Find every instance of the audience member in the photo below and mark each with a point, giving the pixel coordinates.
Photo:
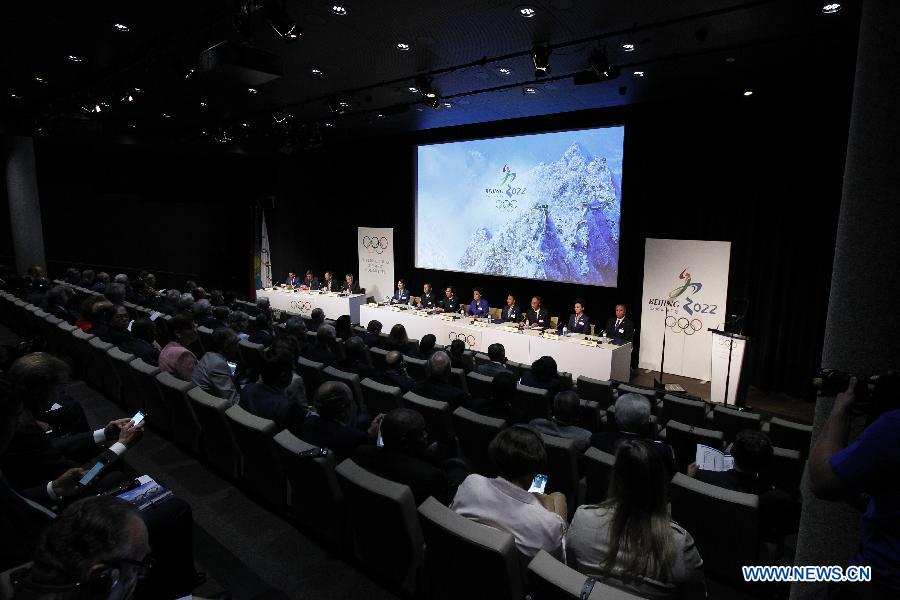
(436, 386)
(630, 541)
(459, 359)
(220, 316)
(175, 358)
(239, 322)
(330, 426)
(296, 328)
(267, 399)
(296, 389)
(212, 373)
(169, 302)
(185, 305)
(426, 347)
(86, 312)
(497, 354)
(404, 458)
(203, 314)
(261, 330)
(115, 292)
(142, 341)
(536, 521)
(116, 320)
(325, 349)
(316, 319)
(544, 375)
(356, 359)
(394, 373)
(56, 302)
(87, 279)
(500, 404)
(398, 340)
(100, 283)
(632, 417)
(372, 336)
(565, 414)
(343, 328)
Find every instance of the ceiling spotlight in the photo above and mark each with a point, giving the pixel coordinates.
(344, 104)
(138, 90)
(245, 124)
(748, 92)
(15, 96)
(338, 107)
(121, 28)
(74, 59)
(97, 108)
(203, 104)
(189, 74)
(40, 79)
(638, 73)
(402, 46)
(831, 8)
(317, 72)
(447, 105)
(328, 124)
(132, 125)
(529, 90)
(166, 116)
(628, 47)
(281, 22)
(380, 115)
(435, 103)
(425, 87)
(526, 12)
(541, 57)
(504, 70)
(413, 89)
(600, 64)
(252, 90)
(128, 98)
(339, 10)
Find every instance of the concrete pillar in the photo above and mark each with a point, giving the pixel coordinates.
(24, 205)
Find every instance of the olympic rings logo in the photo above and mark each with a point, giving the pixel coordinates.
(303, 307)
(684, 325)
(469, 339)
(375, 244)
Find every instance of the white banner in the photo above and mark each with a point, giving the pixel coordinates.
(376, 261)
(266, 272)
(685, 290)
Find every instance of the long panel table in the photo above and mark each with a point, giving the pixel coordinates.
(606, 361)
(302, 302)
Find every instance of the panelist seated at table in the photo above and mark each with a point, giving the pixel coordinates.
(450, 303)
(619, 327)
(350, 286)
(310, 282)
(329, 284)
(511, 312)
(479, 307)
(537, 316)
(428, 298)
(578, 321)
(292, 280)
(401, 294)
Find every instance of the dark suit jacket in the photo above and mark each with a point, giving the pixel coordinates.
(579, 325)
(292, 281)
(312, 284)
(542, 317)
(21, 527)
(355, 366)
(61, 312)
(141, 349)
(554, 384)
(449, 304)
(400, 297)
(428, 300)
(339, 438)
(33, 457)
(626, 327)
(322, 354)
(332, 286)
(423, 478)
(439, 390)
(491, 369)
(270, 403)
(404, 382)
(606, 441)
(371, 339)
(511, 313)
(354, 289)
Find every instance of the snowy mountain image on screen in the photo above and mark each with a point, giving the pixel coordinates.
(570, 231)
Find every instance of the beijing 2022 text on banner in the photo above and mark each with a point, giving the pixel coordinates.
(685, 289)
(376, 261)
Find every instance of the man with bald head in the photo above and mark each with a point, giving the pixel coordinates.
(436, 386)
(394, 373)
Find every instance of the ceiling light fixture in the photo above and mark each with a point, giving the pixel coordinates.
(203, 104)
(252, 90)
(526, 12)
(328, 124)
(831, 8)
(529, 90)
(74, 59)
(748, 92)
(40, 79)
(122, 28)
(15, 96)
(413, 89)
(541, 57)
(447, 105)
(628, 47)
(280, 21)
(317, 72)
(402, 46)
(638, 73)
(166, 116)
(600, 64)
(504, 70)
(339, 10)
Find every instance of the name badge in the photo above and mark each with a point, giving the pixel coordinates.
(622, 330)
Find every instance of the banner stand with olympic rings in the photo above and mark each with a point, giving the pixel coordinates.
(375, 248)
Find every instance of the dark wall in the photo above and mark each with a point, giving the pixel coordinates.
(126, 208)
(763, 174)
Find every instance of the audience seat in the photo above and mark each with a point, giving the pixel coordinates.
(416, 367)
(689, 412)
(80, 352)
(590, 416)
(313, 493)
(379, 398)
(205, 335)
(184, 428)
(261, 472)
(217, 443)
(787, 469)
(723, 523)
(124, 377)
(145, 384)
(465, 559)
(438, 417)
(551, 579)
(379, 357)
(650, 394)
(99, 369)
(474, 433)
(351, 379)
(51, 333)
(788, 434)
(684, 439)
(534, 402)
(384, 526)
(597, 467)
(480, 386)
(251, 355)
(311, 372)
(562, 468)
(731, 421)
(481, 359)
(457, 378)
